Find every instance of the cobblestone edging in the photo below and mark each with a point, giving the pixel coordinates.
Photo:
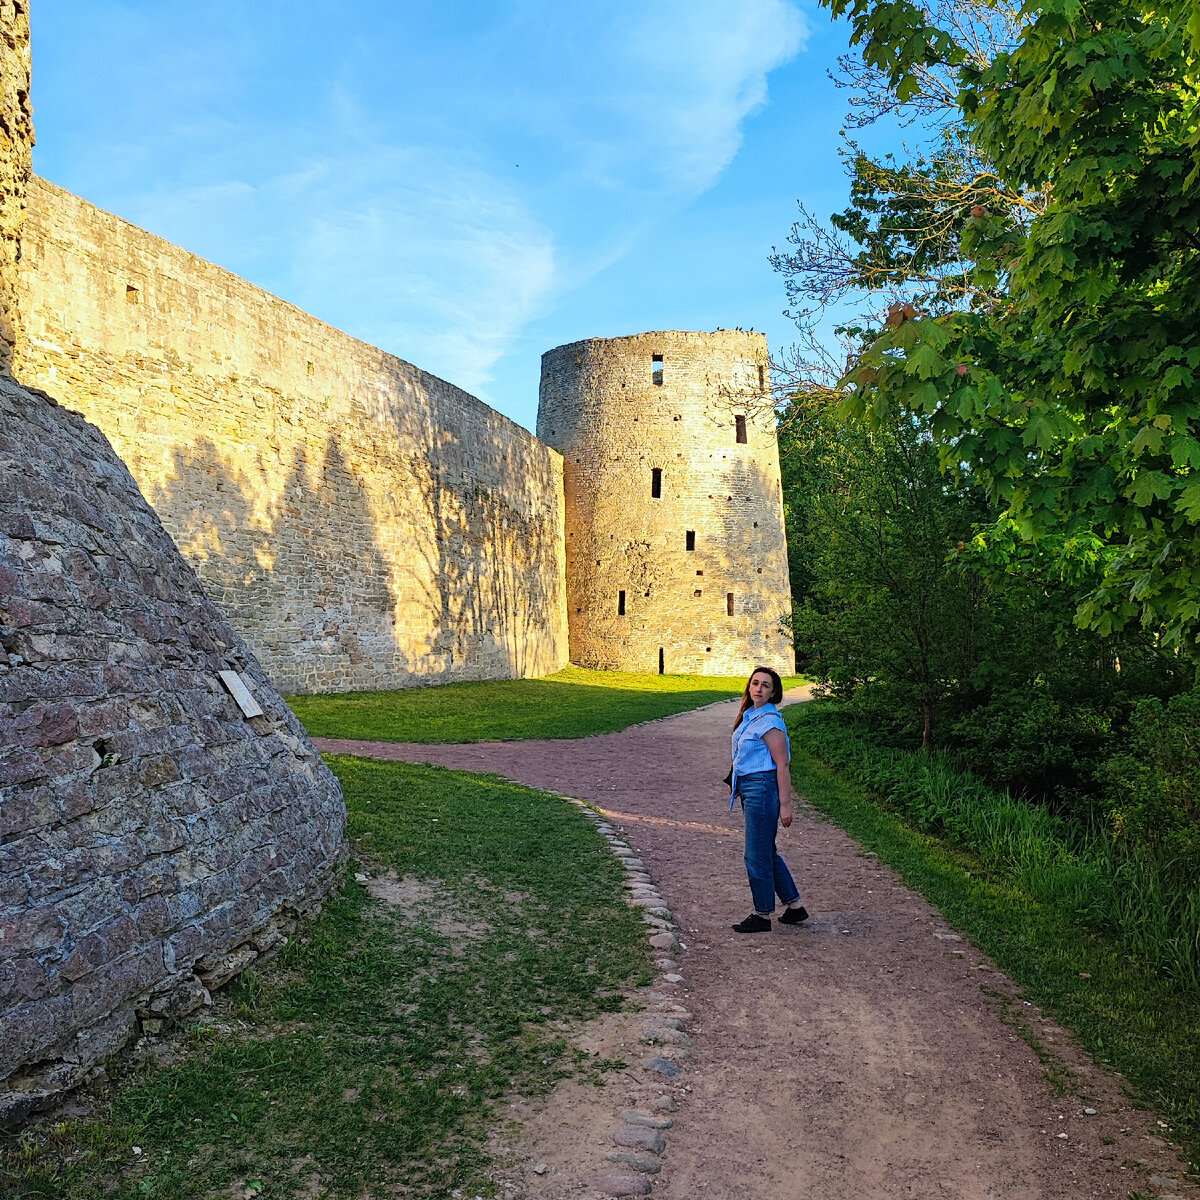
(639, 1140)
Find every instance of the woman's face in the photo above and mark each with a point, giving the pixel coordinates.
(761, 687)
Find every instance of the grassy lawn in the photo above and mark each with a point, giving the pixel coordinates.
(1124, 1014)
(368, 1055)
(570, 704)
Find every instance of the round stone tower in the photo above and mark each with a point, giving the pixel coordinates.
(676, 560)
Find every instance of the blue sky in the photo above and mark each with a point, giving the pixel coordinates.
(463, 184)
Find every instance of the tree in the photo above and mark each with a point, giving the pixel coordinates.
(1073, 395)
(883, 606)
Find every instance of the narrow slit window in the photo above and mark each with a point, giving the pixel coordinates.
(620, 604)
(691, 539)
(656, 370)
(762, 378)
(132, 295)
(739, 425)
(656, 483)
(662, 662)
(729, 604)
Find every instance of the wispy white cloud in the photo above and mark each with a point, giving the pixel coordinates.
(428, 193)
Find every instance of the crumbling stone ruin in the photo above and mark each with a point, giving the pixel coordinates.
(674, 508)
(163, 817)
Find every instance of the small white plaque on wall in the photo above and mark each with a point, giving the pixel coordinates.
(237, 688)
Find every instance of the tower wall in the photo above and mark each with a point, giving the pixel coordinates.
(623, 409)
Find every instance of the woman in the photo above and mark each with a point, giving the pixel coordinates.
(761, 752)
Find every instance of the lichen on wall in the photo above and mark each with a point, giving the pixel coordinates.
(676, 557)
(364, 525)
(154, 839)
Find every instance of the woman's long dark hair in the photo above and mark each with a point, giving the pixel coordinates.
(776, 691)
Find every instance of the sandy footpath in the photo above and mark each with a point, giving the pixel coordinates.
(863, 1055)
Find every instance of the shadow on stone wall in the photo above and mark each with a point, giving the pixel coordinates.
(450, 581)
(301, 574)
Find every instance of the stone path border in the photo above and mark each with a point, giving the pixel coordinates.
(640, 1137)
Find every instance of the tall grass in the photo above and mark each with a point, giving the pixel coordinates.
(1150, 902)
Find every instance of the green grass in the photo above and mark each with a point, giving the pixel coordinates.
(573, 703)
(1123, 1013)
(1148, 900)
(371, 1051)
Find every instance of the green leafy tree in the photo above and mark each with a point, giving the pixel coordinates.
(1074, 394)
(884, 607)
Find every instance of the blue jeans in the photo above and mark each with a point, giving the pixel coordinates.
(769, 874)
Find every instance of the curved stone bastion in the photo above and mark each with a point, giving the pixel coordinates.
(156, 834)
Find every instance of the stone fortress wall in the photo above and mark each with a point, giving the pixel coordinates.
(364, 525)
(676, 558)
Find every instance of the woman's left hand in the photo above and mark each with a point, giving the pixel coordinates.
(785, 813)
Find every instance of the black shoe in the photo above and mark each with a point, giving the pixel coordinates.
(793, 916)
(753, 924)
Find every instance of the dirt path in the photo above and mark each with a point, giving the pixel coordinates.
(862, 1056)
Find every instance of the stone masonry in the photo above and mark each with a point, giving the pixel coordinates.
(153, 839)
(16, 146)
(676, 559)
(365, 525)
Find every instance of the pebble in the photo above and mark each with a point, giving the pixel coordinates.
(540, 1169)
(621, 1183)
(669, 1037)
(665, 1104)
(637, 1137)
(1091, 1112)
(662, 1066)
(639, 1162)
(635, 1116)
(673, 977)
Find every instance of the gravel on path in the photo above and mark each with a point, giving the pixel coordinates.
(867, 1054)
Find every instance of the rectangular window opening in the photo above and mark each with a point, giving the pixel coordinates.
(656, 369)
(656, 483)
(620, 604)
(132, 294)
(691, 539)
(662, 662)
(762, 378)
(729, 604)
(739, 424)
